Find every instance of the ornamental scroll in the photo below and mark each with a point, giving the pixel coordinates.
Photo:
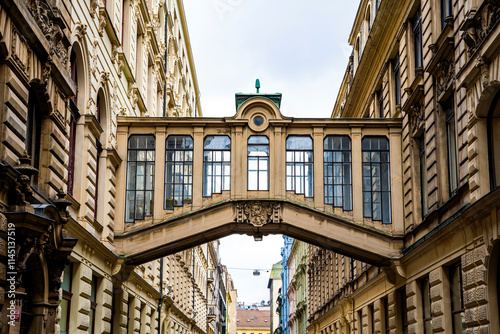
(258, 213)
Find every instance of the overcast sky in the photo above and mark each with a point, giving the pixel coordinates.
(294, 47)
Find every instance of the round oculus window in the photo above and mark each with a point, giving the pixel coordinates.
(258, 121)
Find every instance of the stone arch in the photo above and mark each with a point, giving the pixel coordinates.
(368, 17)
(103, 104)
(80, 48)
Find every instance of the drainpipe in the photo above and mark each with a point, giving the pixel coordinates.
(161, 295)
(166, 63)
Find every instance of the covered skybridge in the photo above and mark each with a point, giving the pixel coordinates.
(336, 183)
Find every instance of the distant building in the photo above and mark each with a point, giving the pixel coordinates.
(253, 322)
(274, 287)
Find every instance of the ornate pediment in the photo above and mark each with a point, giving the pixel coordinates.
(258, 213)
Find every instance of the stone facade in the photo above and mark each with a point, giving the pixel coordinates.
(68, 69)
(435, 64)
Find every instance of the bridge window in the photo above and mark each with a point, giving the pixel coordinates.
(299, 165)
(140, 177)
(258, 163)
(337, 171)
(178, 171)
(216, 164)
(376, 179)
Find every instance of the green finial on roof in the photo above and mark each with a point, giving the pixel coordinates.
(257, 85)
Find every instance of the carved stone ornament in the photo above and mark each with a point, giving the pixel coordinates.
(478, 27)
(482, 64)
(52, 28)
(444, 75)
(416, 117)
(93, 7)
(102, 23)
(258, 213)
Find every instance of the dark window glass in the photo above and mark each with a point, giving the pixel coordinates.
(376, 179)
(93, 304)
(385, 305)
(34, 133)
(66, 299)
(140, 177)
(417, 38)
(423, 174)
(380, 97)
(178, 171)
(360, 322)
(216, 165)
(403, 310)
(493, 135)
(426, 305)
(451, 142)
(446, 10)
(397, 80)
(299, 165)
(258, 163)
(457, 303)
(337, 171)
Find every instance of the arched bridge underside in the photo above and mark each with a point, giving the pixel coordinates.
(255, 217)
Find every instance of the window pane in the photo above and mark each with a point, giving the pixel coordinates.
(63, 323)
(348, 198)
(130, 206)
(263, 180)
(131, 172)
(299, 143)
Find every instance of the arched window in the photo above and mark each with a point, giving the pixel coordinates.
(100, 114)
(493, 132)
(337, 171)
(299, 165)
(216, 165)
(74, 114)
(178, 171)
(140, 177)
(376, 179)
(258, 163)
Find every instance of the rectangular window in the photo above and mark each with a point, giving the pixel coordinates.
(216, 165)
(423, 174)
(426, 304)
(178, 171)
(457, 302)
(451, 137)
(360, 322)
(403, 320)
(258, 163)
(380, 99)
(385, 305)
(446, 11)
(397, 80)
(140, 177)
(417, 38)
(337, 171)
(66, 299)
(93, 304)
(299, 165)
(376, 179)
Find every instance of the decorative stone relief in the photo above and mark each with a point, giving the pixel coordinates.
(416, 117)
(93, 7)
(444, 75)
(258, 213)
(93, 64)
(52, 29)
(483, 65)
(102, 23)
(478, 27)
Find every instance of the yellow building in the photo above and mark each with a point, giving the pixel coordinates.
(253, 321)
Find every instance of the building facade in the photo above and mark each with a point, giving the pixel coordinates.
(274, 286)
(285, 281)
(69, 69)
(253, 321)
(435, 65)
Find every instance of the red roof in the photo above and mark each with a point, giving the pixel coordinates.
(253, 318)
